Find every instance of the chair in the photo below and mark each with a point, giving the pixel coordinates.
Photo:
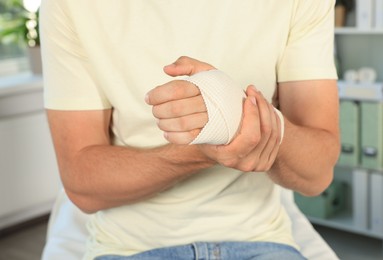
(67, 233)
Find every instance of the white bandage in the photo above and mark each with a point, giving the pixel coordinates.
(282, 121)
(223, 98)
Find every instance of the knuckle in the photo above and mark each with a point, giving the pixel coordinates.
(194, 91)
(247, 167)
(182, 123)
(259, 168)
(193, 134)
(161, 125)
(178, 89)
(175, 109)
(176, 138)
(230, 163)
(156, 111)
(254, 140)
(183, 59)
(266, 129)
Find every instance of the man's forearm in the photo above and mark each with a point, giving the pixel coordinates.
(103, 176)
(307, 169)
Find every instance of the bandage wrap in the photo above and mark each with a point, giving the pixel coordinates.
(223, 98)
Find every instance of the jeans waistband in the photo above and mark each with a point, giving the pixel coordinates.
(217, 251)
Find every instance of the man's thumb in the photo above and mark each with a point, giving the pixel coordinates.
(186, 66)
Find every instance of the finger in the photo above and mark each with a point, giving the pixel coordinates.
(252, 90)
(271, 145)
(249, 134)
(273, 154)
(186, 66)
(262, 157)
(173, 90)
(179, 108)
(183, 124)
(270, 132)
(236, 154)
(266, 124)
(256, 124)
(181, 137)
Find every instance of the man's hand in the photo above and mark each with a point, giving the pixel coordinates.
(256, 145)
(181, 113)
(178, 105)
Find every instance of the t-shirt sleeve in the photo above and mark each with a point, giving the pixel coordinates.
(309, 53)
(69, 83)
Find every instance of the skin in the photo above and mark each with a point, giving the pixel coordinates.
(97, 175)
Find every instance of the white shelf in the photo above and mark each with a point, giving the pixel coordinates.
(360, 167)
(357, 31)
(20, 83)
(344, 221)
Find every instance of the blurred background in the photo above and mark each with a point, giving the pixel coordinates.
(349, 214)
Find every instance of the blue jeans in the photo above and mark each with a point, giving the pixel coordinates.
(216, 251)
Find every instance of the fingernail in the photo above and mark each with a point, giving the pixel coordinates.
(255, 88)
(253, 100)
(147, 100)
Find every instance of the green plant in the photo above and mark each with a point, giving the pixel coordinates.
(17, 25)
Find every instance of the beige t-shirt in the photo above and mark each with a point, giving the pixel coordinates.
(109, 54)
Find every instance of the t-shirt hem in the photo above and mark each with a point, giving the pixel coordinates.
(80, 104)
(305, 74)
(89, 255)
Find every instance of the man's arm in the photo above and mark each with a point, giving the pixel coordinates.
(310, 147)
(303, 162)
(97, 175)
(311, 144)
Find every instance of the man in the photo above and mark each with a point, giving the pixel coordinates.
(152, 194)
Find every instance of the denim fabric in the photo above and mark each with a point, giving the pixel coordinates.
(217, 251)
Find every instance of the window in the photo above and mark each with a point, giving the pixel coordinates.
(13, 43)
